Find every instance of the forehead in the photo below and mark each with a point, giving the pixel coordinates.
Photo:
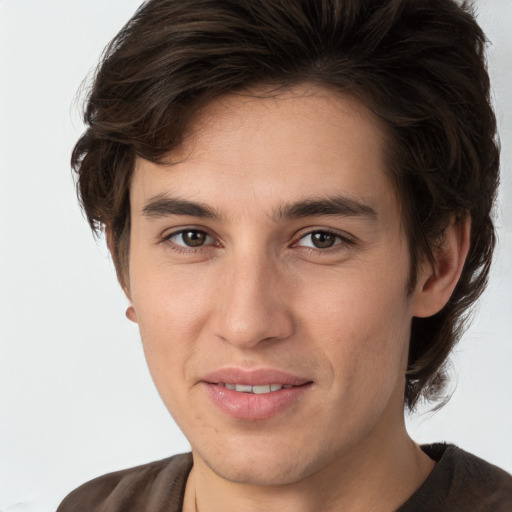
(306, 141)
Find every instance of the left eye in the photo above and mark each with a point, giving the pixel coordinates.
(320, 240)
(190, 238)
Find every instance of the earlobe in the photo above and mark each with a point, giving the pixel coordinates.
(437, 282)
(130, 313)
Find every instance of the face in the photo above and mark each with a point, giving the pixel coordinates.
(268, 275)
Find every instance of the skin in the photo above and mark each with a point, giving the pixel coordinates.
(258, 293)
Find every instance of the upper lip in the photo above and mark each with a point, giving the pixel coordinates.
(256, 377)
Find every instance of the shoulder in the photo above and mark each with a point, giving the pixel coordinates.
(465, 467)
(154, 487)
(461, 482)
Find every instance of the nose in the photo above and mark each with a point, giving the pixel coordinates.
(253, 303)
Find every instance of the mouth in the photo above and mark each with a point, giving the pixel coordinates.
(256, 390)
(257, 394)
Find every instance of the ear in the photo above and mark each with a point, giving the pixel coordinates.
(436, 282)
(130, 311)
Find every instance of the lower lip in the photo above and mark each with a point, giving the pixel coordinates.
(250, 406)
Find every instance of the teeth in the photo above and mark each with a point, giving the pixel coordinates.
(257, 390)
(243, 388)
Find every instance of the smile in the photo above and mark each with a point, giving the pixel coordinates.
(257, 390)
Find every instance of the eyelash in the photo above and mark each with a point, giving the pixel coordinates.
(341, 240)
(182, 249)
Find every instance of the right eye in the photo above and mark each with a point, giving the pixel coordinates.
(190, 238)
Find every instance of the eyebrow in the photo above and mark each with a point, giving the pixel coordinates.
(343, 206)
(163, 206)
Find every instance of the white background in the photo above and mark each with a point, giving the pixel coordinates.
(76, 399)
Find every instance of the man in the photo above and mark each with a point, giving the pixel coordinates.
(297, 198)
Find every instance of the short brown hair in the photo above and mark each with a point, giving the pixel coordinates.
(419, 65)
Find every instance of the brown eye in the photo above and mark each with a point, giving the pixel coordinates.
(321, 240)
(191, 238)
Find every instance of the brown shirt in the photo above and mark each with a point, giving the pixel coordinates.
(460, 482)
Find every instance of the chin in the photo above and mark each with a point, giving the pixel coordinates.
(262, 467)
(259, 473)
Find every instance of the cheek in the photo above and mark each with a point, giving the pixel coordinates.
(363, 326)
(362, 336)
(171, 310)
(168, 297)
